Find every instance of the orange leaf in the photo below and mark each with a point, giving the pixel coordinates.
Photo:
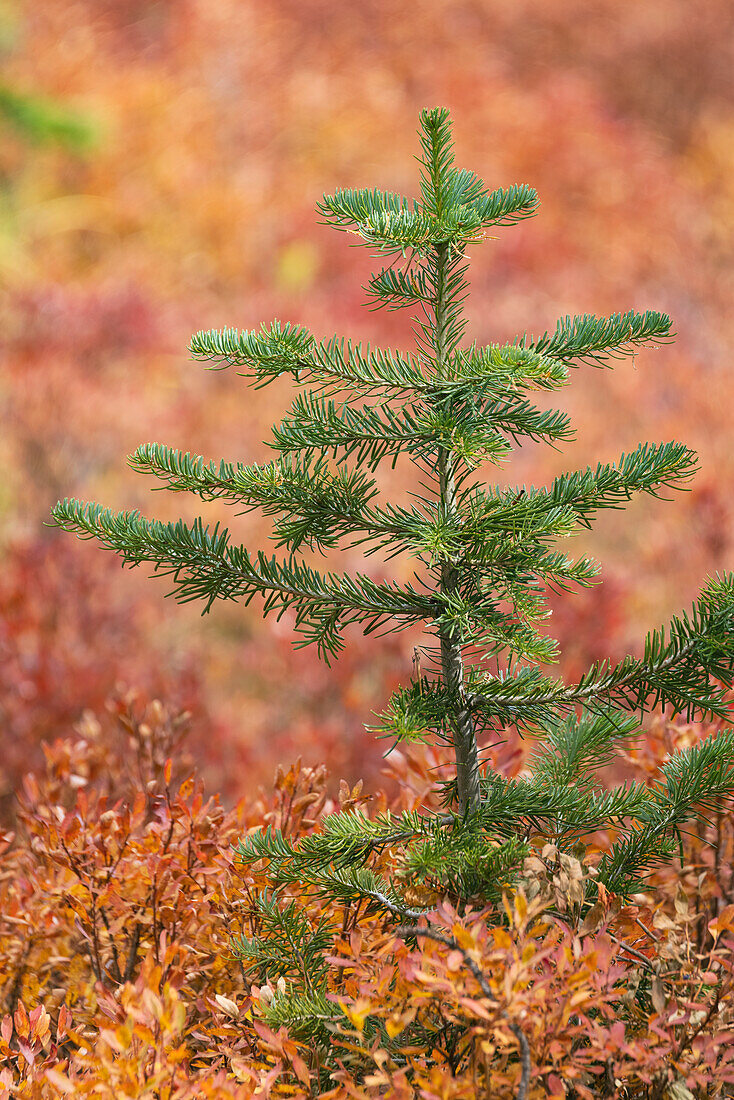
(723, 923)
(60, 1081)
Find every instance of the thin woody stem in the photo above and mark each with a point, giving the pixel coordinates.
(407, 930)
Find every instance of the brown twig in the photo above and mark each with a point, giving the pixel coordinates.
(647, 930)
(448, 941)
(132, 957)
(687, 1040)
(631, 950)
(113, 946)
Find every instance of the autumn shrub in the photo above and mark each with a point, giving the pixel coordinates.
(68, 643)
(119, 975)
(112, 883)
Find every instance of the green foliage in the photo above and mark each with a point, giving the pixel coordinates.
(205, 566)
(308, 1016)
(590, 339)
(485, 559)
(43, 121)
(287, 944)
(575, 749)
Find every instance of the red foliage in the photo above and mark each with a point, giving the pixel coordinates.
(118, 897)
(189, 212)
(68, 641)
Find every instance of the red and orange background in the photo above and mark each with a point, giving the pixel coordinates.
(183, 196)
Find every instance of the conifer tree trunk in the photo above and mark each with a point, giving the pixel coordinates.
(465, 742)
(452, 664)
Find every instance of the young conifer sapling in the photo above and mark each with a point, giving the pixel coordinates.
(485, 558)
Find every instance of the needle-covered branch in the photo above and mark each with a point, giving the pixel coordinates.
(372, 434)
(689, 666)
(475, 431)
(593, 340)
(573, 498)
(693, 783)
(455, 207)
(313, 504)
(204, 565)
(337, 365)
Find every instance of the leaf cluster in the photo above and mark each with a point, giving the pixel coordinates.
(341, 1001)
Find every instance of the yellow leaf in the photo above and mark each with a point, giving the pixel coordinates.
(681, 902)
(358, 1012)
(723, 923)
(398, 1022)
(60, 1081)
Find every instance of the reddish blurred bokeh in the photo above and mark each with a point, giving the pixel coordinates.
(159, 166)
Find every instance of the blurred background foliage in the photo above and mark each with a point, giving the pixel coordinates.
(159, 165)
